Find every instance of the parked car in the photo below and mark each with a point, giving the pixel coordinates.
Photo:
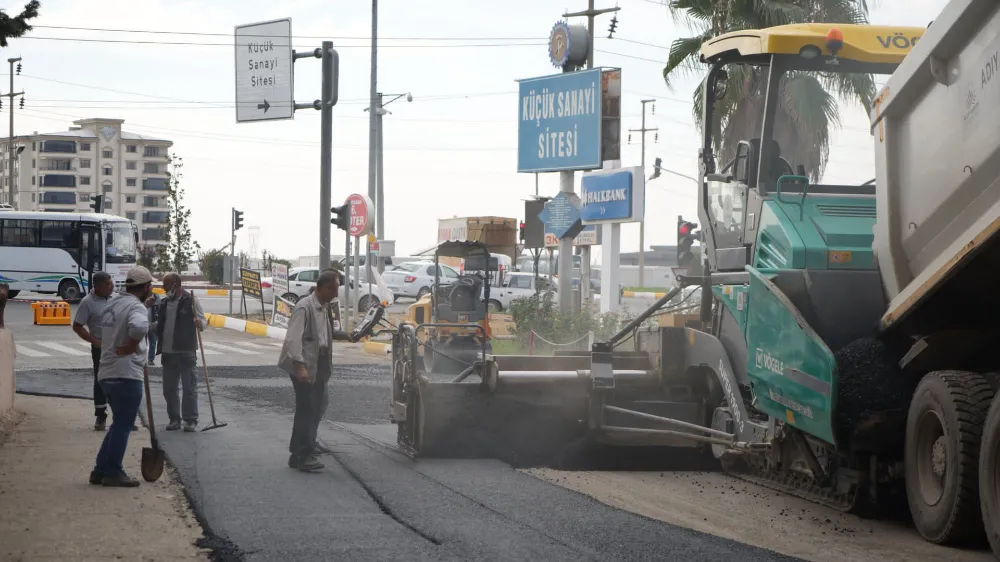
(518, 285)
(302, 279)
(415, 279)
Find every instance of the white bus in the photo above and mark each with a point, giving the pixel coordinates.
(53, 252)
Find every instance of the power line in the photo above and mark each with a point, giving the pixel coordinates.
(321, 37)
(306, 47)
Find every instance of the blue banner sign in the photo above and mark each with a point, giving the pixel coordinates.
(612, 196)
(559, 122)
(561, 216)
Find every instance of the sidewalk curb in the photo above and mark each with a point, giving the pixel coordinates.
(199, 292)
(252, 328)
(642, 295)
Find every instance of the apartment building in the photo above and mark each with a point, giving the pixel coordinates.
(60, 172)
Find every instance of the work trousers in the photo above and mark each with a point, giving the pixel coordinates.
(100, 400)
(311, 400)
(180, 368)
(125, 396)
(151, 339)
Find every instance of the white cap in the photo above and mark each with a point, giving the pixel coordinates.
(138, 275)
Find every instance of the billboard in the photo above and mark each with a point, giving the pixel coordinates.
(612, 196)
(559, 122)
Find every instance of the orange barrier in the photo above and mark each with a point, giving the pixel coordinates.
(51, 313)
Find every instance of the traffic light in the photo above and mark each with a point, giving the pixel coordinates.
(521, 231)
(657, 164)
(614, 25)
(97, 203)
(22, 102)
(341, 217)
(685, 239)
(237, 220)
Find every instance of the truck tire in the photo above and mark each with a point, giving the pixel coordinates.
(989, 477)
(943, 429)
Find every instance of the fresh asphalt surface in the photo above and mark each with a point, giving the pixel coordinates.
(371, 503)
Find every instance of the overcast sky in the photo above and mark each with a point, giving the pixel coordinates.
(451, 152)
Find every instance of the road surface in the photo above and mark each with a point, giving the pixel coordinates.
(373, 503)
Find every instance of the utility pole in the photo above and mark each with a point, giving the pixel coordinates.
(566, 184)
(380, 195)
(12, 154)
(374, 106)
(642, 222)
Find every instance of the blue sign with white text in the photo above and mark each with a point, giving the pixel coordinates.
(561, 216)
(606, 196)
(559, 122)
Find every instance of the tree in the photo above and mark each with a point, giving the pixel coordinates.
(180, 248)
(17, 26)
(807, 109)
(147, 256)
(212, 265)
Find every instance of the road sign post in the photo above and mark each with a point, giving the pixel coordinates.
(265, 80)
(362, 220)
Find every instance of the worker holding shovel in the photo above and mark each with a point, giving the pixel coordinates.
(121, 373)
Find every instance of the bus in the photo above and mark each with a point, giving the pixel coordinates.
(55, 252)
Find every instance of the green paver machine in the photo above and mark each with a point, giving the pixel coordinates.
(824, 362)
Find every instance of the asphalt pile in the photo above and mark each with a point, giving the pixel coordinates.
(869, 382)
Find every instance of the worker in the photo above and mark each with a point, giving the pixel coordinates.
(153, 304)
(87, 325)
(306, 356)
(178, 317)
(121, 374)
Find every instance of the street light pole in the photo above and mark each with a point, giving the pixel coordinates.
(374, 104)
(642, 221)
(10, 144)
(379, 198)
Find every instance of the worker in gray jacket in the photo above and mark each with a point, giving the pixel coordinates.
(121, 373)
(307, 358)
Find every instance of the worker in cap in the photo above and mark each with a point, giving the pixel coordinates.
(121, 373)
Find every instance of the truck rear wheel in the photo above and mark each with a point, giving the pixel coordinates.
(943, 429)
(989, 477)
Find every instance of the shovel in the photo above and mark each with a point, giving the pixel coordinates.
(208, 384)
(152, 457)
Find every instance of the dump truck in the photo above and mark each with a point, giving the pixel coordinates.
(844, 346)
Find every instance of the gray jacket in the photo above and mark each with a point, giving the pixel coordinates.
(308, 330)
(125, 318)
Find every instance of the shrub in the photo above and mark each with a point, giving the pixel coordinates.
(540, 314)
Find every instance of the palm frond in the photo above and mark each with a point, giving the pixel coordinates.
(852, 88)
(685, 50)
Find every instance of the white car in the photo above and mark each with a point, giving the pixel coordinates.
(518, 285)
(415, 279)
(301, 279)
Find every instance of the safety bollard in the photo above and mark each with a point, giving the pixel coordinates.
(51, 313)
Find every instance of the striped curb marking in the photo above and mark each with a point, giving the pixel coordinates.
(199, 292)
(253, 328)
(641, 295)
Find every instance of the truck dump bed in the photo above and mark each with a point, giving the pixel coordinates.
(936, 129)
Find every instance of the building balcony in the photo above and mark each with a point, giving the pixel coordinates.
(155, 217)
(155, 184)
(56, 147)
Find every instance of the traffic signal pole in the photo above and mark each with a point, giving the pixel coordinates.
(232, 248)
(327, 99)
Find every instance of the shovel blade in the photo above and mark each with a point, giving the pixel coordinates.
(214, 426)
(152, 464)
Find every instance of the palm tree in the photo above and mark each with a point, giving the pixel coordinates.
(808, 107)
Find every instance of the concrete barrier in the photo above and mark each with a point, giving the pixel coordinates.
(253, 328)
(8, 385)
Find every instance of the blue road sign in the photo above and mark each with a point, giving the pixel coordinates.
(559, 122)
(561, 216)
(612, 196)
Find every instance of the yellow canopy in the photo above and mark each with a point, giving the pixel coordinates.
(863, 43)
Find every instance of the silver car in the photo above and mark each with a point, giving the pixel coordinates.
(415, 279)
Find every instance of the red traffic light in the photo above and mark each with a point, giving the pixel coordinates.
(686, 228)
(522, 225)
